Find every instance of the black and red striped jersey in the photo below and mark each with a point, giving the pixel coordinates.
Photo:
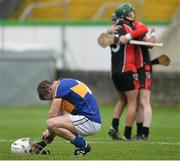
(123, 56)
(142, 56)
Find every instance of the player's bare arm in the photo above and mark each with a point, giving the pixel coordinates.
(113, 29)
(140, 31)
(55, 109)
(152, 37)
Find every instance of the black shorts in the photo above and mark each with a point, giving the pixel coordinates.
(145, 76)
(126, 81)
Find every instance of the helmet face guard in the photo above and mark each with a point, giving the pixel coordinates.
(123, 10)
(114, 18)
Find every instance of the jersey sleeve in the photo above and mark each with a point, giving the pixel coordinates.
(140, 30)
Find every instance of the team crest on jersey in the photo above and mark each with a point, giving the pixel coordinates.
(148, 75)
(135, 76)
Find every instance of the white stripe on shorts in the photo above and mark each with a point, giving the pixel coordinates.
(80, 121)
(84, 126)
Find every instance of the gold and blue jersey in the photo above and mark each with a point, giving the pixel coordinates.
(77, 99)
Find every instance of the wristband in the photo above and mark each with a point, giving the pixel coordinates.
(128, 37)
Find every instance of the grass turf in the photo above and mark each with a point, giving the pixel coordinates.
(164, 141)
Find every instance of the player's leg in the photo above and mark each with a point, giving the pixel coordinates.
(63, 127)
(139, 119)
(118, 110)
(147, 111)
(146, 82)
(38, 147)
(131, 114)
(71, 127)
(84, 127)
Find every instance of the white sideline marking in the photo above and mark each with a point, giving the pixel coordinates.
(5, 141)
(164, 143)
(148, 142)
(110, 142)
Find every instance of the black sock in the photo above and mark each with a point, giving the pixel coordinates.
(115, 123)
(127, 132)
(41, 144)
(154, 61)
(145, 131)
(139, 128)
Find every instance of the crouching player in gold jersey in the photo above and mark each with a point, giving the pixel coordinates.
(74, 113)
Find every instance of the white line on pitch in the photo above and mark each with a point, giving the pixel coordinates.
(164, 143)
(110, 142)
(5, 141)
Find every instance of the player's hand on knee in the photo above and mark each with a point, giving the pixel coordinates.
(45, 134)
(48, 137)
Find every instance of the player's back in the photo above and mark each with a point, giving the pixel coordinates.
(77, 99)
(123, 56)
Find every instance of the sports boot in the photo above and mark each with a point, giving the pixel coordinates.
(114, 134)
(82, 151)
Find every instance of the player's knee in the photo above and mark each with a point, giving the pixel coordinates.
(132, 109)
(132, 105)
(144, 102)
(50, 124)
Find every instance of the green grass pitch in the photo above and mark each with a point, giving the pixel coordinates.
(163, 143)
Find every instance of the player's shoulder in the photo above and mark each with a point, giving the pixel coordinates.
(63, 87)
(136, 23)
(66, 83)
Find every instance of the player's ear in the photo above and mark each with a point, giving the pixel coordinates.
(50, 89)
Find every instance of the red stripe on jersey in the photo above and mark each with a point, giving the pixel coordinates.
(129, 54)
(140, 30)
(130, 59)
(138, 57)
